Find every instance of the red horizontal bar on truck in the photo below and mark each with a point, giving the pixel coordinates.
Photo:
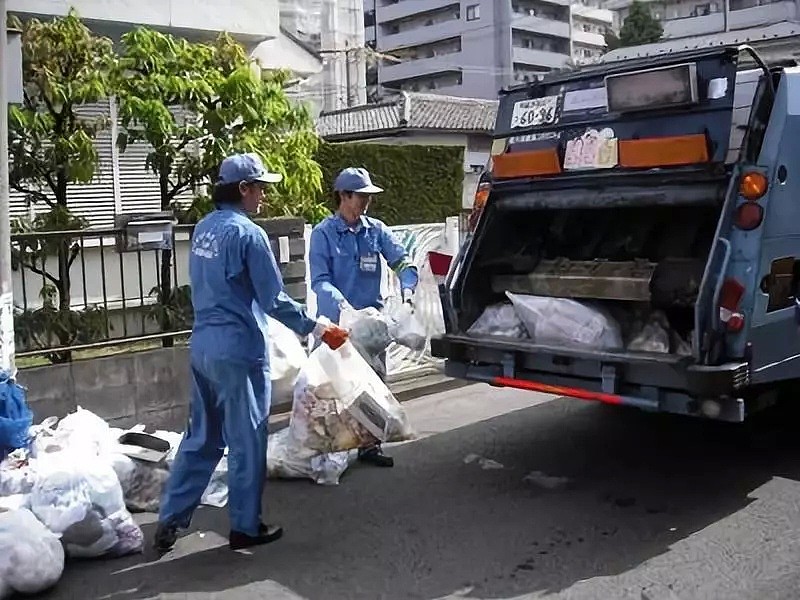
(577, 393)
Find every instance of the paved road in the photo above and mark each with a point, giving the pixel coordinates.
(512, 495)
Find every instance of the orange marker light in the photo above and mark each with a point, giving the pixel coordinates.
(753, 185)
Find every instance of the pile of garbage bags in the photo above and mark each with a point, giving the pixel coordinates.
(563, 321)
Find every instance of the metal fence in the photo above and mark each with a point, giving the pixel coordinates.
(74, 291)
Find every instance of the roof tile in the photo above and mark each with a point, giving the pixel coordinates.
(424, 111)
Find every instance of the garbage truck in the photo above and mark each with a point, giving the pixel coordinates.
(662, 185)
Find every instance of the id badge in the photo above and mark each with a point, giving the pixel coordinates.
(369, 263)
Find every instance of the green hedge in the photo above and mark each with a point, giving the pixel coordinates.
(423, 183)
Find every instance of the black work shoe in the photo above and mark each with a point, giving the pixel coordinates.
(165, 538)
(266, 535)
(375, 456)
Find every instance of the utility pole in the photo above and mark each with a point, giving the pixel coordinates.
(7, 362)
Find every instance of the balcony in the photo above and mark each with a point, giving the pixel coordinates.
(541, 26)
(588, 39)
(756, 16)
(247, 20)
(408, 8)
(420, 67)
(420, 35)
(539, 58)
(599, 15)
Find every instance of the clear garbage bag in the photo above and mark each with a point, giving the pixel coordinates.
(561, 321)
(369, 334)
(31, 556)
(319, 424)
(499, 319)
(142, 482)
(653, 336)
(286, 459)
(362, 394)
(79, 497)
(406, 329)
(286, 358)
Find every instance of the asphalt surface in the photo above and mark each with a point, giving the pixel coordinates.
(511, 495)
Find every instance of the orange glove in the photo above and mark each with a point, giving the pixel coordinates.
(334, 336)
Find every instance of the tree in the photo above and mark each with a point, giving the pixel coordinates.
(194, 104)
(51, 145)
(639, 27)
(611, 40)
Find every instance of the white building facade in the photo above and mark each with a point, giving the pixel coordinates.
(688, 19)
(590, 22)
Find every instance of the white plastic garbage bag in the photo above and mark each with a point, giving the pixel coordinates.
(142, 482)
(31, 556)
(653, 336)
(79, 497)
(362, 394)
(369, 334)
(286, 459)
(83, 431)
(406, 329)
(499, 319)
(561, 321)
(17, 474)
(319, 424)
(286, 359)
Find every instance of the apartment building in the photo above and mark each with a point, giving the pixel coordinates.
(589, 24)
(467, 48)
(692, 18)
(335, 30)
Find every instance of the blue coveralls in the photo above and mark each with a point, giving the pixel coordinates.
(345, 265)
(235, 284)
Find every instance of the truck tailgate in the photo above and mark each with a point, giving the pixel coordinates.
(487, 357)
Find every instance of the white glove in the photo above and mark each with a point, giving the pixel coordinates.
(408, 296)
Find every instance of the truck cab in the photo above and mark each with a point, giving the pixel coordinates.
(659, 185)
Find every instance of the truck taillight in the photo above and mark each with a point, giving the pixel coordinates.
(729, 299)
(749, 216)
(752, 186)
(481, 196)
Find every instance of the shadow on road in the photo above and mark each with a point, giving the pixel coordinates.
(632, 485)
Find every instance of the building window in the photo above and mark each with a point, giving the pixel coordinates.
(473, 12)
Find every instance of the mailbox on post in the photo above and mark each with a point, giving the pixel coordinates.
(144, 231)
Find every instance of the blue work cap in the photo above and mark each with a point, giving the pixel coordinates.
(355, 180)
(245, 167)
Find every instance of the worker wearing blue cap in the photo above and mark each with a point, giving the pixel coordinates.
(345, 265)
(235, 283)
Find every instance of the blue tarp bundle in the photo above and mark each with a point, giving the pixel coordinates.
(15, 416)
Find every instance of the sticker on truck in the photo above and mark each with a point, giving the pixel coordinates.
(593, 150)
(536, 111)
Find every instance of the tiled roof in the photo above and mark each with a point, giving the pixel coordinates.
(409, 111)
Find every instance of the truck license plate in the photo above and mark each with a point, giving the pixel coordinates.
(537, 111)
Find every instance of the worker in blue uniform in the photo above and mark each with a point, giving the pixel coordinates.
(235, 283)
(345, 265)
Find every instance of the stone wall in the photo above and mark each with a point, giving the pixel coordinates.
(149, 387)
